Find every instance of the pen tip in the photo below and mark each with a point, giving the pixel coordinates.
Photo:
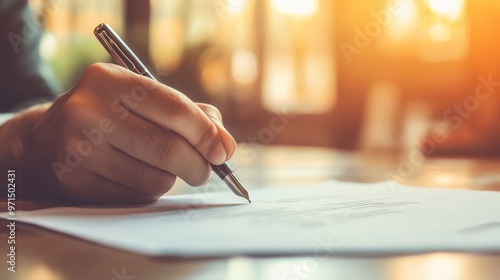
(249, 201)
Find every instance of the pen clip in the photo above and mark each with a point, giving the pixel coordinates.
(118, 50)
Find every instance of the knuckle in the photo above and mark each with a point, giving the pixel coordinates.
(148, 139)
(124, 172)
(209, 138)
(164, 150)
(168, 151)
(121, 172)
(96, 70)
(146, 181)
(178, 109)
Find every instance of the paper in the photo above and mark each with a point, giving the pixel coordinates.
(335, 218)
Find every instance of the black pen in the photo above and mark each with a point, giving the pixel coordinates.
(123, 56)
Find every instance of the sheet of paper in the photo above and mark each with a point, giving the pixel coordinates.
(335, 218)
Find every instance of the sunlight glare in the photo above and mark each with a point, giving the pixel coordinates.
(404, 20)
(440, 32)
(296, 7)
(450, 8)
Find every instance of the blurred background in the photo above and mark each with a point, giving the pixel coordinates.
(380, 76)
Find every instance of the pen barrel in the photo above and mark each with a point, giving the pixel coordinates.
(222, 170)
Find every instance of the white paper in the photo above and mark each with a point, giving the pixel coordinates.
(336, 218)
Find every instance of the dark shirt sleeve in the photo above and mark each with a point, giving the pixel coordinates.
(24, 78)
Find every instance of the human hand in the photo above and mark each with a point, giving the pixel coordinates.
(117, 137)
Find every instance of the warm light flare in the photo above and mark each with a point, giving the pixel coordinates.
(440, 32)
(451, 9)
(433, 267)
(436, 30)
(407, 12)
(404, 20)
(244, 67)
(296, 7)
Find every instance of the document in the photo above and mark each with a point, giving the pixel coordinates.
(334, 218)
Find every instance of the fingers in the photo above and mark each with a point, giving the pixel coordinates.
(211, 111)
(215, 116)
(89, 188)
(125, 170)
(161, 105)
(160, 148)
(106, 175)
(176, 112)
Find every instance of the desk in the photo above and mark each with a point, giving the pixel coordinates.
(45, 255)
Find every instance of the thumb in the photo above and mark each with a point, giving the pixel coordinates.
(216, 117)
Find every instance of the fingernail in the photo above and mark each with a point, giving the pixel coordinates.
(217, 121)
(217, 155)
(220, 126)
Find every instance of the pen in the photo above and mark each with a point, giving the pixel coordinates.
(123, 56)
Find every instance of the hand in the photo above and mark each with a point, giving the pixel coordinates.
(117, 137)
